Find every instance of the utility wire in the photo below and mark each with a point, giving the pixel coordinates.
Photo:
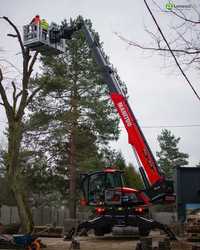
(169, 126)
(177, 63)
(173, 126)
(157, 126)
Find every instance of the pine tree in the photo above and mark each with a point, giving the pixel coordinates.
(73, 117)
(169, 157)
(133, 178)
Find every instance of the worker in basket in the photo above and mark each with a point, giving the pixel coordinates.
(35, 22)
(44, 28)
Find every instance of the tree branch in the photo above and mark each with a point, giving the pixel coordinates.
(19, 94)
(25, 53)
(14, 89)
(32, 63)
(17, 32)
(14, 96)
(197, 51)
(6, 104)
(185, 18)
(1, 76)
(171, 51)
(33, 94)
(27, 70)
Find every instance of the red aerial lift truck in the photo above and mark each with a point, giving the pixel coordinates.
(116, 206)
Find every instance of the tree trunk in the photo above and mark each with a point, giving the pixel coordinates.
(23, 208)
(72, 177)
(15, 177)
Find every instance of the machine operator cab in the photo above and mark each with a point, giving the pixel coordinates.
(106, 188)
(38, 39)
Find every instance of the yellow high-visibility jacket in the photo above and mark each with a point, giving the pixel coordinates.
(44, 25)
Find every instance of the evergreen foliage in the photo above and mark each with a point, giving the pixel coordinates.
(133, 178)
(169, 156)
(72, 120)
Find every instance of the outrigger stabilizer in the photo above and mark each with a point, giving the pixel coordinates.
(106, 222)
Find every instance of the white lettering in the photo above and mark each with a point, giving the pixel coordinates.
(124, 114)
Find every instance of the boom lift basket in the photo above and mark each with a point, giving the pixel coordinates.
(38, 39)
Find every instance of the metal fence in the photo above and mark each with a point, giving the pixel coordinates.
(41, 216)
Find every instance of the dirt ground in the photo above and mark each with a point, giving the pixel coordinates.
(92, 243)
(110, 242)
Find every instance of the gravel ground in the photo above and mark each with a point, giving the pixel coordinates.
(90, 243)
(109, 242)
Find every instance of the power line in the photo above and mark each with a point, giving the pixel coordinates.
(173, 126)
(160, 126)
(169, 126)
(177, 63)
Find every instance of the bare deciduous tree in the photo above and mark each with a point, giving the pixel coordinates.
(183, 42)
(15, 110)
(183, 39)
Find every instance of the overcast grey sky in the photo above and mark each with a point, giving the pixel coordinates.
(158, 95)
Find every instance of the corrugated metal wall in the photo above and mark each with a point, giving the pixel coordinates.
(41, 216)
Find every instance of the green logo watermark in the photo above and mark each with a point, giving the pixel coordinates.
(169, 6)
